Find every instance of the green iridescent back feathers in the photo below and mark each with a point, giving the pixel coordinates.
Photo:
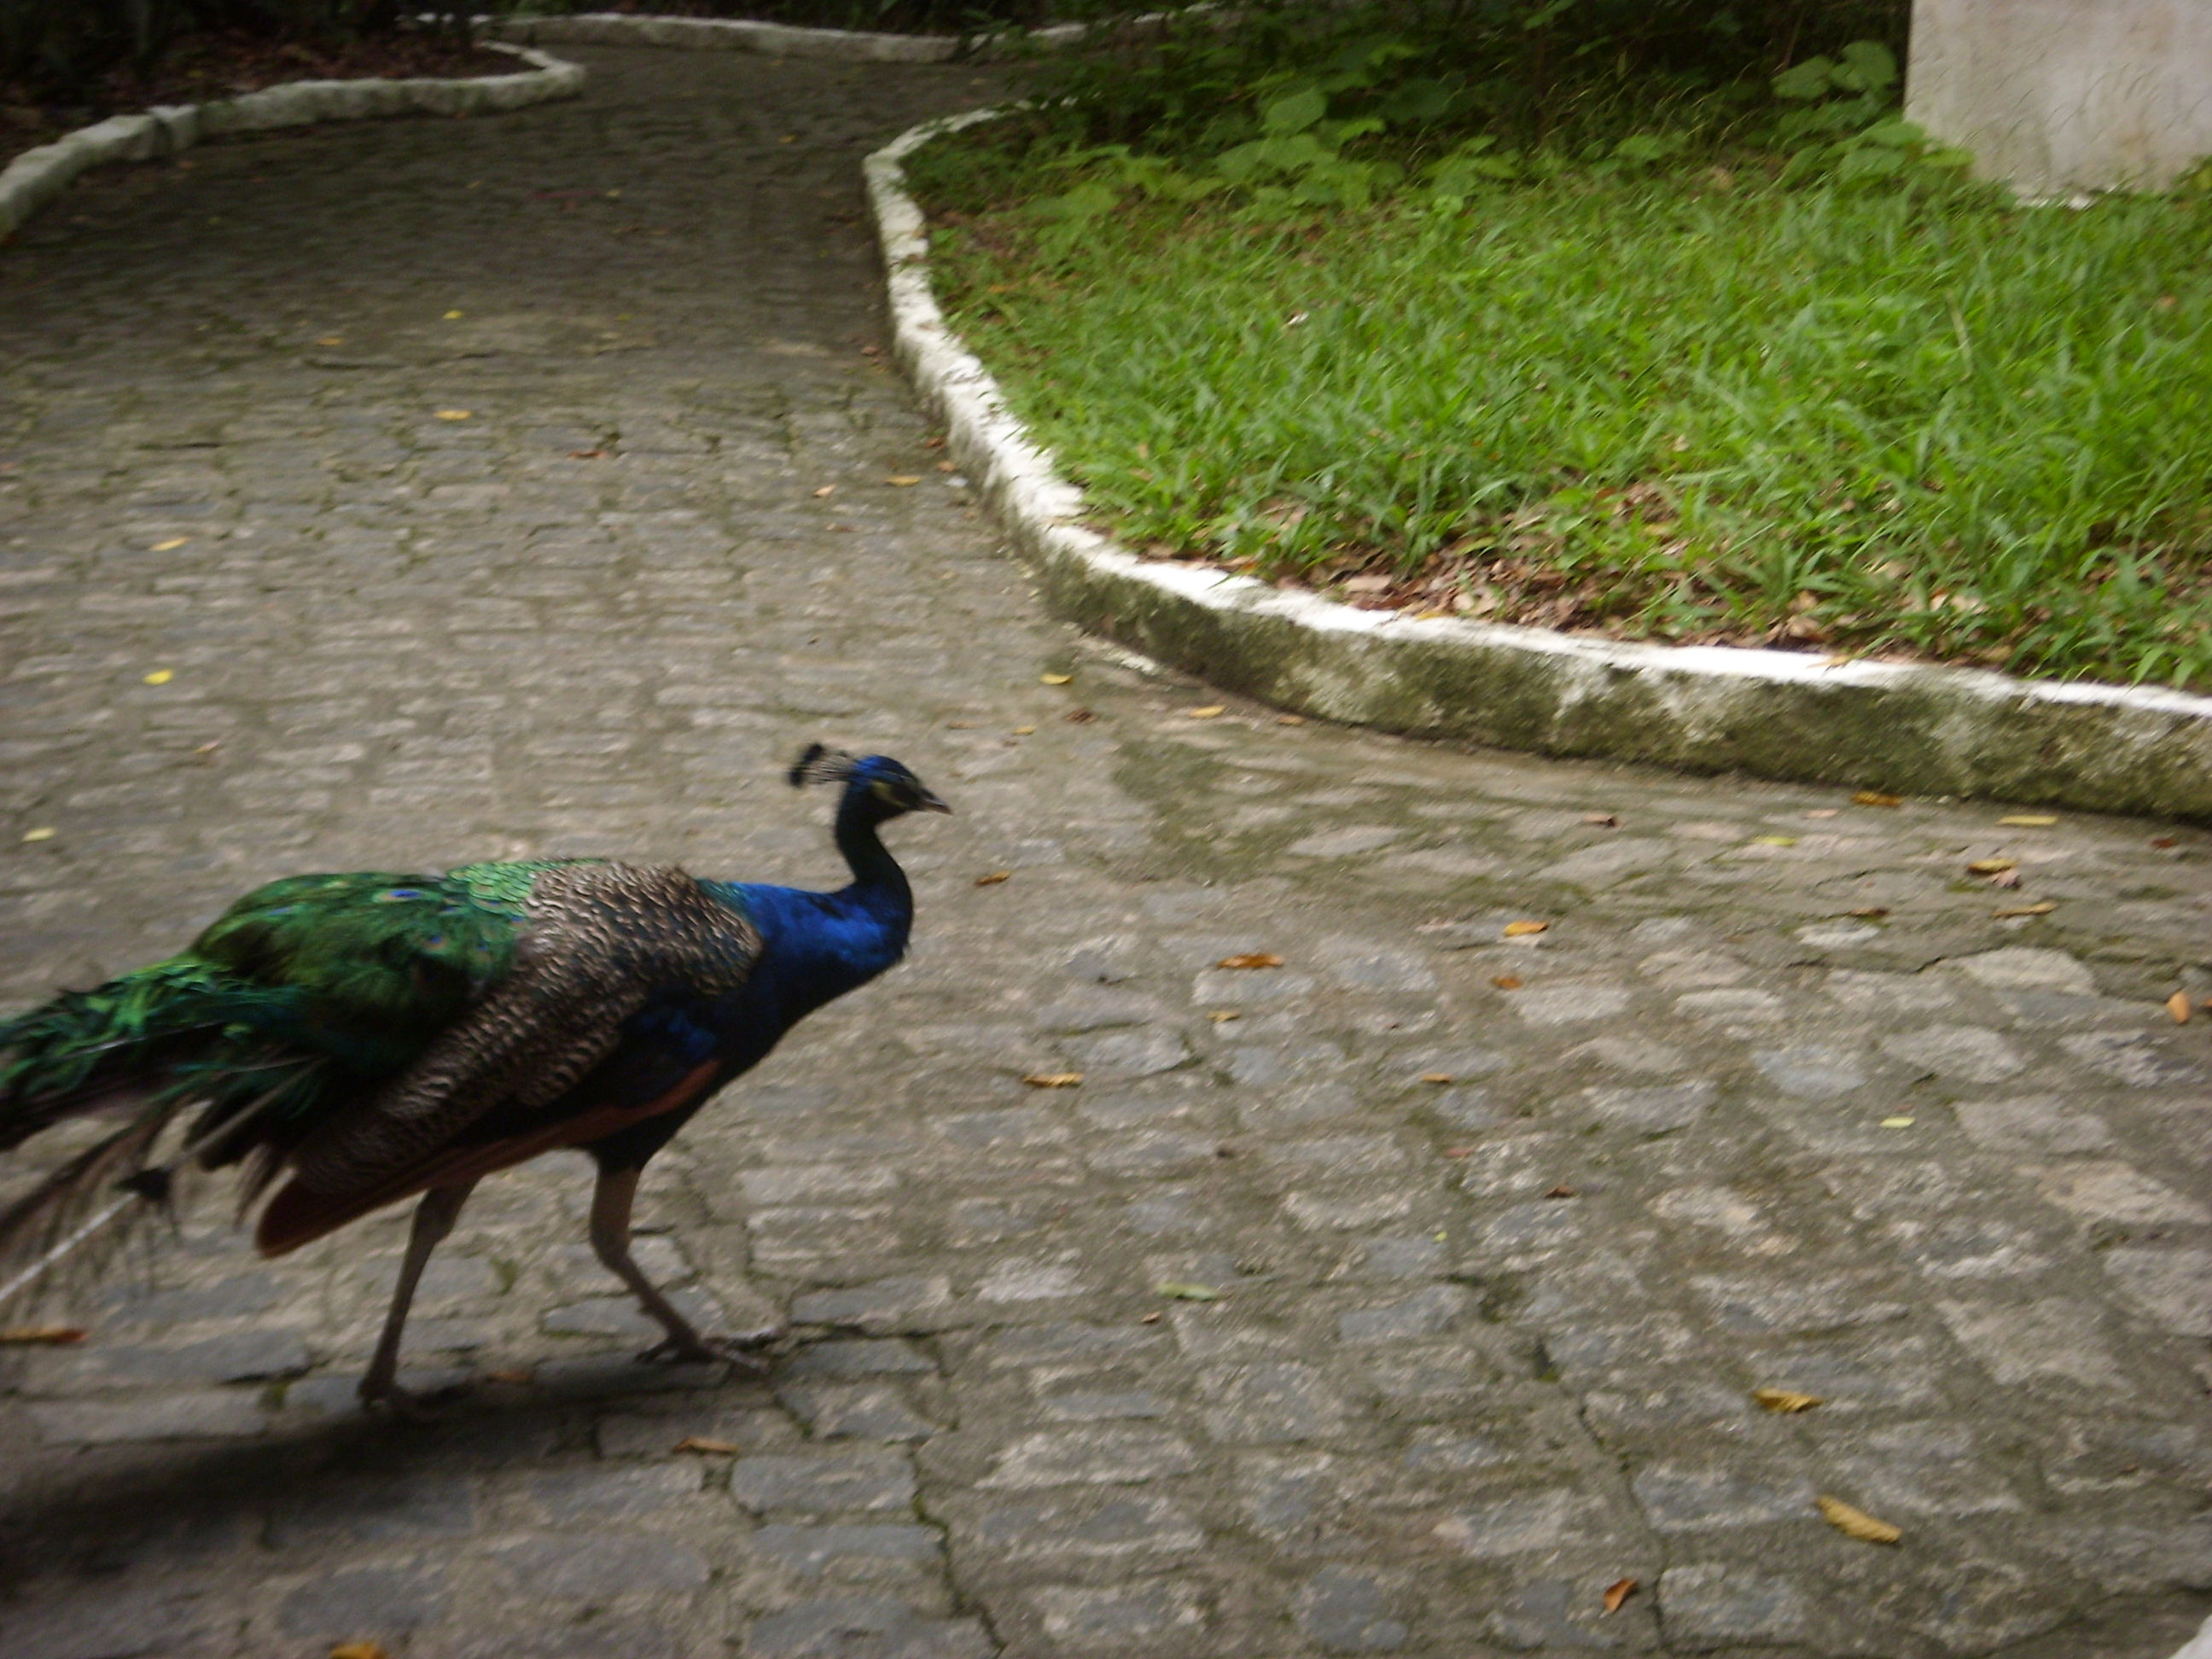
(308, 986)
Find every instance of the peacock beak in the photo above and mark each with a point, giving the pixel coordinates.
(929, 803)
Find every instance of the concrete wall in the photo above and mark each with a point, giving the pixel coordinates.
(2057, 96)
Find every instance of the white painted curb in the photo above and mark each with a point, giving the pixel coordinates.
(37, 176)
(1708, 709)
(607, 29)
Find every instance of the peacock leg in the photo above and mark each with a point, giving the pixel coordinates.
(434, 1218)
(610, 1207)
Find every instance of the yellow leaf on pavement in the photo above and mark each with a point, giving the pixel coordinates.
(1055, 680)
(1053, 1079)
(2029, 821)
(2010, 910)
(2179, 1007)
(994, 877)
(903, 479)
(359, 1651)
(1857, 1524)
(1184, 1290)
(1524, 929)
(171, 544)
(1875, 798)
(1774, 840)
(1991, 866)
(452, 316)
(1251, 959)
(1211, 711)
(454, 414)
(1786, 1400)
(40, 1336)
(160, 677)
(1617, 1592)
(39, 834)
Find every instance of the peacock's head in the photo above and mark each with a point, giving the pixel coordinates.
(885, 786)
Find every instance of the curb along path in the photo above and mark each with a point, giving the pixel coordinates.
(1776, 715)
(468, 481)
(36, 176)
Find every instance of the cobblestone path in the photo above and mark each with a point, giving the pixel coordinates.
(1485, 1243)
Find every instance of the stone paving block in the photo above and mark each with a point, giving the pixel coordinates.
(823, 1483)
(599, 1566)
(366, 1602)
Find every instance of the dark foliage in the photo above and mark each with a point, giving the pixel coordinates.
(62, 51)
(1530, 71)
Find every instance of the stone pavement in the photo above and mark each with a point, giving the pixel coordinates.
(1499, 1235)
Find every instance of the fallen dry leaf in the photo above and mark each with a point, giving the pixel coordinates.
(1524, 929)
(1053, 1079)
(2179, 1007)
(2042, 909)
(588, 455)
(1774, 840)
(40, 834)
(1506, 982)
(1437, 1077)
(2029, 821)
(1561, 1191)
(1871, 912)
(160, 677)
(359, 1651)
(903, 479)
(1857, 1524)
(171, 544)
(1211, 711)
(994, 877)
(700, 1442)
(452, 317)
(453, 414)
(1078, 716)
(1026, 731)
(1152, 1318)
(1617, 1592)
(40, 1336)
(1251, 959)
(1875, 798)
(1991, 866)
(1458, 1152)
(1055, 680)
(1606, 820)
(1897, 1122)
(329, 339)
(1786, 1400)
(1223, 1016)
(826, 490)
(1183, 1290)
(2164, 841)
(1290, 719)
(1820, 812)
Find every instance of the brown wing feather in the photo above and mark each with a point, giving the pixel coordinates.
(601, 938)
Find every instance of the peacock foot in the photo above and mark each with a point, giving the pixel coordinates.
(690, 1348)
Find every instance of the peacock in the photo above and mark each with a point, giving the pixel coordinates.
(350, 1041)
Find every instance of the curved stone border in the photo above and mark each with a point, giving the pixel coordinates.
(608, 28)
(1777, 715)
(37, 176)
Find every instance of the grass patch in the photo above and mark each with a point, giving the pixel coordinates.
(1698, 402)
